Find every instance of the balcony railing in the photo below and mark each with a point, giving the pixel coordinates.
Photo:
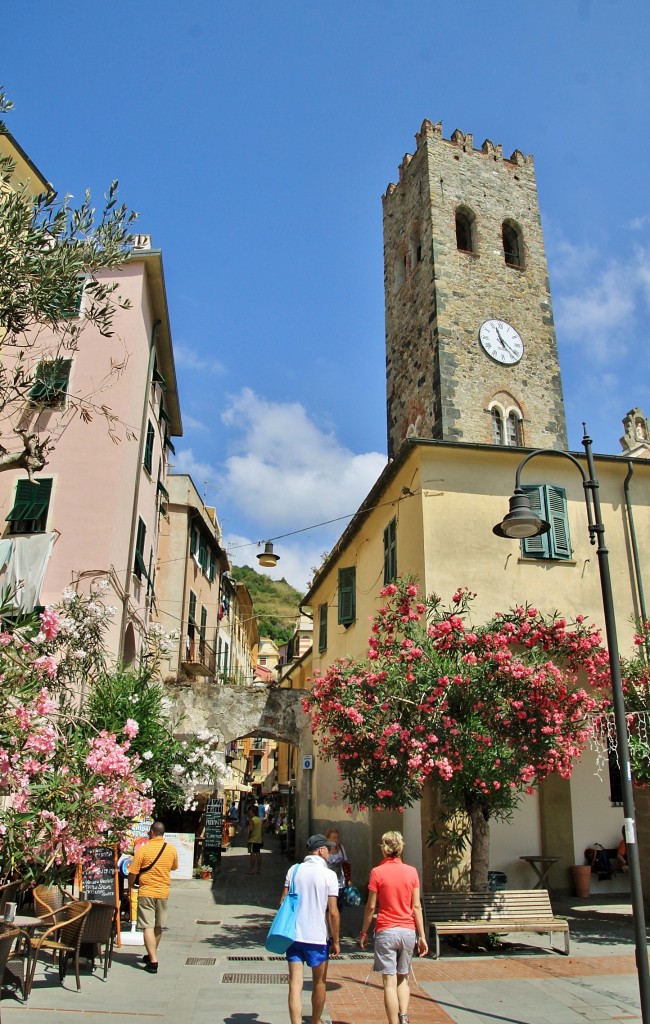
(197, 657)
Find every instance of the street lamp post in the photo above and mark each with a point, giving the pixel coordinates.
(520, 523)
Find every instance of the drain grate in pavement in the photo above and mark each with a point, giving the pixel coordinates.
(201, 921)
(255, 979)
(200, 961)
(248, 958)
(358, 956)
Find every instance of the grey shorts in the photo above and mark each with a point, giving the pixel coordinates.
(394, 949)
(152, 912)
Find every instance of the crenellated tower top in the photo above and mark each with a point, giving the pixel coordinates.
(430, 132)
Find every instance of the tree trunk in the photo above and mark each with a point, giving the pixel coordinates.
(478, 876)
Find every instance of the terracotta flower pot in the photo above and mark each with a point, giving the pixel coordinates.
(582, 879)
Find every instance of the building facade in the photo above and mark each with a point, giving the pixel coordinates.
(438, 503)
(191, 562)
(94, 511)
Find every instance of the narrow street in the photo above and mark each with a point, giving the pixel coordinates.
(214, 969)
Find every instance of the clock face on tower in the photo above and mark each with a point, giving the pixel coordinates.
(501, 342)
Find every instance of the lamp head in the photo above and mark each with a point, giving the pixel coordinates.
(521, 522)
(268, 558)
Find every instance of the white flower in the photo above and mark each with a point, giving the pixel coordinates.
(148, 754)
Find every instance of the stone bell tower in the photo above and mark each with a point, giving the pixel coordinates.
(471, 353)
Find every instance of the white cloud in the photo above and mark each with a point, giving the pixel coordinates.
(598, 306)
(201, 472)
(286, 471)
(189, 359)
(191, 423)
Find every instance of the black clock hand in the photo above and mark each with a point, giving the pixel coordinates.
(505, 343)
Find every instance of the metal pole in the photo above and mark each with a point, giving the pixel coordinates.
(638, 911)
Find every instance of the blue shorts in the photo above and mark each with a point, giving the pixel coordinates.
(309, 953)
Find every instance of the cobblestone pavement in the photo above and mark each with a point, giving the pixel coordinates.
(213, 969)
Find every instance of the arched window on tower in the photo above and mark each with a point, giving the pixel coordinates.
(497, 426)
(514, 437)
(415, 246)
(465, 230)
(513, 244)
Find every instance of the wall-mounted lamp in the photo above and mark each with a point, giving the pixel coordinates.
(268, 558)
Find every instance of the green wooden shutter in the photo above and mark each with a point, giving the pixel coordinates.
(139, 568)
(322, 627)
(148, 448)
(537, 547)
(51, 381)
(191, 616)
(31, 505)
(390, 552)
(204, 622)
(557, 516)
(347, 596)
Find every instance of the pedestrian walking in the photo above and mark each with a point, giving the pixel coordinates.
(254, 842)
(318, 889)
(338, 861)
(399, 928)
(151, 870)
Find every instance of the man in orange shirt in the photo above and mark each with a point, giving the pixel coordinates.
(154, 862)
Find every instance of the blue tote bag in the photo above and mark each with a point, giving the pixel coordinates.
(283, 928)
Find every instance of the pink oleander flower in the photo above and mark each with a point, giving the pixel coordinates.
(131, 728)
(49, 623)
(45, 665)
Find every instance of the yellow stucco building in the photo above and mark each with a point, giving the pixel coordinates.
(431, 514)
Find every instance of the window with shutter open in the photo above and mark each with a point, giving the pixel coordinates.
(30, 507)
(549, 503)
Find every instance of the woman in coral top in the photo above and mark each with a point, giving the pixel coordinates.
(399, 928)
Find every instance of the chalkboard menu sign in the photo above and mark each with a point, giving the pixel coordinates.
(213, 836)
(99, 877)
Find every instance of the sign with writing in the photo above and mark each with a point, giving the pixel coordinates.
(183, 843)
(99, 876)
(213, 835)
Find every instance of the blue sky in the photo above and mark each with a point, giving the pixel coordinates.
(256, 140)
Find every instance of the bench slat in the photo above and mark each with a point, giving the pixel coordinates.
(501, 912)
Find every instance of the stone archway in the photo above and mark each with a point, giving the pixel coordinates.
(232, 712)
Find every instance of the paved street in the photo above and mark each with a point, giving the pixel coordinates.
(213, 968)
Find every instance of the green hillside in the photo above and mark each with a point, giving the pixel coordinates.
(276, 602)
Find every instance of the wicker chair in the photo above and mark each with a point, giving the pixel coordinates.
(8, 893)
(48, 898)
(63, 936)
(8, 937)
(100, 930)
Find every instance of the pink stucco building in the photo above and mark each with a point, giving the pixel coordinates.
(94, 512)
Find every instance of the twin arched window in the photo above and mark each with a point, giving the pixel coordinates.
(507, 426)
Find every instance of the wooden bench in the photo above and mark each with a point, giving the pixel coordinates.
(479, 913)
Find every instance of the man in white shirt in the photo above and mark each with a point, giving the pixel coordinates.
(318, 887)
